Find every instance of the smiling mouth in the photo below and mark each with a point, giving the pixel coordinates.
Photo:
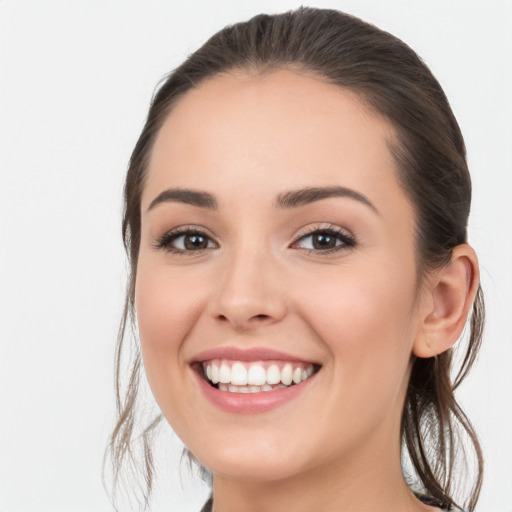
(255, 377)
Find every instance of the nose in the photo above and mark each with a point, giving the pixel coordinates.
(250, 293)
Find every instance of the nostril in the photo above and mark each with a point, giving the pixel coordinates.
(261, 317)
(255, 319)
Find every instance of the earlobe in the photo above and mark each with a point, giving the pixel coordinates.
(450, 297)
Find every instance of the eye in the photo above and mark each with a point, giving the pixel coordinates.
(325, 240)
(185, 240)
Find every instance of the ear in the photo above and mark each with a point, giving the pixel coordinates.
(446, 303)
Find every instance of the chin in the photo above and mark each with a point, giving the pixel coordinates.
(251, 463)
(259, 471)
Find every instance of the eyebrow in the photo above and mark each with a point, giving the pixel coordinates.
(187, 196)
(291, 199)
(303, 196)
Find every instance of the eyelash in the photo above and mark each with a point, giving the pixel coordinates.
(346, 240)
(171, 236)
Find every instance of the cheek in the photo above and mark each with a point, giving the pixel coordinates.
(364, 320)
(364, 316)
(167, 309)
(166, 306)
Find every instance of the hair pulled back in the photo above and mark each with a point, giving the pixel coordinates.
(391, 79)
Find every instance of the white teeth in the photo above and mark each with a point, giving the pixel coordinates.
(287, 374)
(239, 374)
(273, 374)
(215, 374)
(257, 375)
(225, 374)
(248, 389)
(240, 377)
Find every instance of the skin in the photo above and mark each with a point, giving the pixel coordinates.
(246, 138)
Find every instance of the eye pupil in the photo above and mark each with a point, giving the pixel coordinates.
(324, 241)
(194, 242)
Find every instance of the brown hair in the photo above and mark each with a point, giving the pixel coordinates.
(394, 82)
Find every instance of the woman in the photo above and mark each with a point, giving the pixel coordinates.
(295, 218)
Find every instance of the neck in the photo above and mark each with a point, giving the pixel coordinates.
(372, 483)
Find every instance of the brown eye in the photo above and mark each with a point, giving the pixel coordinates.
(323, 241)
(185, 241)
(194, 242)
(326, 240)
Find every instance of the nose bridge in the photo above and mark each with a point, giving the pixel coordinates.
(249, 293)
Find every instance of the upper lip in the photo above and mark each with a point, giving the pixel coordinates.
(248, 354)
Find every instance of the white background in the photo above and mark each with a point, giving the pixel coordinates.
(76, 78)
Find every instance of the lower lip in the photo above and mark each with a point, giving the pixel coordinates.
(251, 403)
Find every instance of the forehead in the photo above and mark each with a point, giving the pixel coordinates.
(250, 131)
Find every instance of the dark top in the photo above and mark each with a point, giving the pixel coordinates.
(208, 505)
(425, 499)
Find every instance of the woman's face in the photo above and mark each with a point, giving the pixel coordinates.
(277, 246)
